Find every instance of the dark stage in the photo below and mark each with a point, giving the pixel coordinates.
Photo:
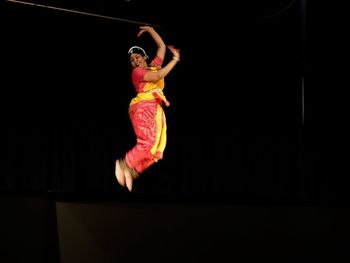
(233, 182)
(63, 230)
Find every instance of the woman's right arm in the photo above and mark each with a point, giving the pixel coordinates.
(157, 39)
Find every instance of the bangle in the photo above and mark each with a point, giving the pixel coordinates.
(176, 58)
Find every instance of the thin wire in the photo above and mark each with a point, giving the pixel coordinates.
(82, 13)
(282, 10)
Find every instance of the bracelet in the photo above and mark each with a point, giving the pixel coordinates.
(176, 58)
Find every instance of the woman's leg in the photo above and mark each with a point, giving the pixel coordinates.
(150, 129)
(148, 120)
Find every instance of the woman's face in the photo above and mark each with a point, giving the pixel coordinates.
(137, 60)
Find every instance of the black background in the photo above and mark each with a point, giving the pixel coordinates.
(235, 124)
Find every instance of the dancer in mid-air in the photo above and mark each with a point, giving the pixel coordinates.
(145, 110)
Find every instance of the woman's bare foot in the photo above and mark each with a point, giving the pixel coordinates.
(119, 173)
(128, 179)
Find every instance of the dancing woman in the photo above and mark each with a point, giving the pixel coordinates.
(145, 110)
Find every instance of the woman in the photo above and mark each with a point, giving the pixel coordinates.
(145, 110)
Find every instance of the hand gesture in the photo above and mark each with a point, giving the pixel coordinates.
(144, 29)
(174, 51)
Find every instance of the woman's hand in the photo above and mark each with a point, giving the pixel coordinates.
(144, 29)
(175, 52)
